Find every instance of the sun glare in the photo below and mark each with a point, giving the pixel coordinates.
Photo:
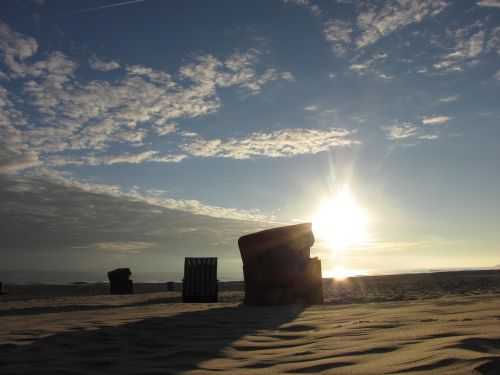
(340, 273)
(341, 223)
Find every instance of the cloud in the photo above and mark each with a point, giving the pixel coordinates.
(376, 22)
(468, 48)
(68, 115)
(105, 66)
(15, 48)
(52, 220)
(469, 43)
(449, 99)
(429, 136)
(493, 43)
(368, 67)
(123, 247)
(129, 158)
(401, 131)
(287, 76)
(489, 3)
(311, 108)
(281, 143)
(150, 197)
(339, 34)
(497, 75)
(15, 154)
(313, 8)
(123, 158)
(434, 120)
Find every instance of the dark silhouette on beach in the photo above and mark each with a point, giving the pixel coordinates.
(277, 267)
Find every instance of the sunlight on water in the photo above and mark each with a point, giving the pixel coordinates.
(341, 273)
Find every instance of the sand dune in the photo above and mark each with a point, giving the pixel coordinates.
(154, 334)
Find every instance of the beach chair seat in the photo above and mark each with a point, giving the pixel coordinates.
(200, 282)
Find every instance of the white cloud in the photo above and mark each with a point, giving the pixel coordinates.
(129, 158)
(15, 154)
(469, 43)
(433, 120)
(311, 108)
(287, 76)
(168, 158)
(489, 3)
(281, 143)
(429, 136)
(338, 33)
(16, 48)
(467, 48)
(497, 75)
(105, 66)
(367, 67)
(377, 22)
(90, 116)
(449, 99)
(401, 131)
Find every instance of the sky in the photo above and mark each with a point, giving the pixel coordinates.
(135, 133)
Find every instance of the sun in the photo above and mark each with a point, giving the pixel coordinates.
(341, 223)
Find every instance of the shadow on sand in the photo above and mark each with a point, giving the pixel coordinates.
(35, 310)
(151, 346)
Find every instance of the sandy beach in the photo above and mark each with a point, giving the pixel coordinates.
(421, 323)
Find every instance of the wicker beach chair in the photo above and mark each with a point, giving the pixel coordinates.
(200, 282)
(119, 282)
(277, 267)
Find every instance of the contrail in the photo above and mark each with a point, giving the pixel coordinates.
(101, 7)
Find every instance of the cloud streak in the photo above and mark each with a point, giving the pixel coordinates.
(435, 120)
(281, 143)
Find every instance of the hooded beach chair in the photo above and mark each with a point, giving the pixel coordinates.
(277, 267)
(200, 282)
(119, 282)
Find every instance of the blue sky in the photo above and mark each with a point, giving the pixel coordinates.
(136, 133)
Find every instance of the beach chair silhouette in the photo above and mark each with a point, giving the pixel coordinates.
(200, 282)
(119, 282)
(277, 267)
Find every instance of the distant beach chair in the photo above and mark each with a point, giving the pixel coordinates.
(170, 286)
(277, 267)
(200, 282)
(119, 282)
